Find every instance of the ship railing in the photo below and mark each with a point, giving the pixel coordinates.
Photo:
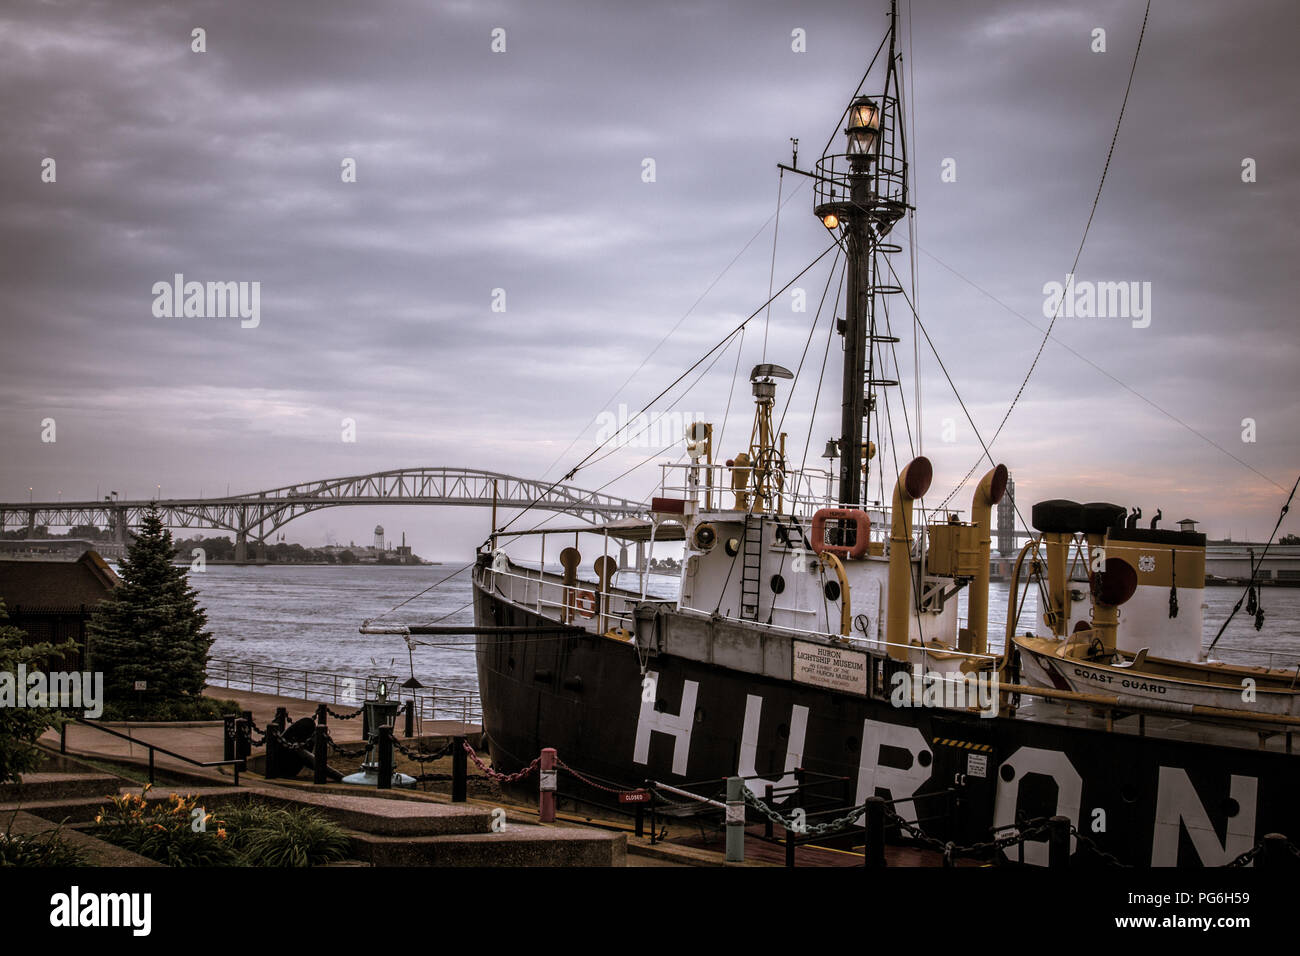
(876, 645)
(429, 703)
(583, 604)
(800, 492)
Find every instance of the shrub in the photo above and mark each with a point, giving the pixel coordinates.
(256, 834)
(266, 835)
(41, 849)
(163, 830)
(186, 709)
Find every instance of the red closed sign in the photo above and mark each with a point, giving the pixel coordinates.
(634, 796)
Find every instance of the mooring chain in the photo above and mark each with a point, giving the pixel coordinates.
(329, 742)
(352, 716)
(419, 757)
(1028, 830)
(592, 783)
(501, 777)
(815, 829)
(1091, 845)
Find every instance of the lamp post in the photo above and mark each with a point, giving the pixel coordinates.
(863, 132)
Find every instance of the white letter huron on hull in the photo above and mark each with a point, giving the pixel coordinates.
(678, 725)
(749, 746)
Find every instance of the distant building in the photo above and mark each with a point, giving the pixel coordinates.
(379, 538)
(52, 599)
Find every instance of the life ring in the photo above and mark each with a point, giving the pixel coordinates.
(861, 522)
(585, 602)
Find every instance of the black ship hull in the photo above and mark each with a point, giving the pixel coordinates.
(1149, 801)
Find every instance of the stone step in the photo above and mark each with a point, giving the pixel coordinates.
(41, 787)
(517, 845)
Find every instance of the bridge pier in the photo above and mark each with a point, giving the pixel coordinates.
(261, 551)
(241, 547)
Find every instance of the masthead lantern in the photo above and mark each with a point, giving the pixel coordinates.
(864, 127)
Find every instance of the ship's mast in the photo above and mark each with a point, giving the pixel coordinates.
(860, 194)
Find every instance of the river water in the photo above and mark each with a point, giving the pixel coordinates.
(307, 617)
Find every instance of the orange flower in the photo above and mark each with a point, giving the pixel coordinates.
(221, 833)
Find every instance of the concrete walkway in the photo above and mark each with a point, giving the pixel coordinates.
(204, 741)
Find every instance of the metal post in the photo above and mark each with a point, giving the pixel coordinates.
(151, 765)
(767, 821)
(281, 717)
(1058, 842)
(243, 738)
(63, 738)
(410, 718)
(318, 748)
(874, 851)
(385, 757)
(789, 847)
(640, 820)
(735, 820)
(272, 751)
(459, 769)
(322, 714)
(228, 742)
(546, 787)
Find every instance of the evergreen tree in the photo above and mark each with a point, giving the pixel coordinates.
(21, 726)
(151, 629)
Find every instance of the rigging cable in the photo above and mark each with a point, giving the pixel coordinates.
(1254, 570)
(672, 331)
(1077, 255)
(740, 328)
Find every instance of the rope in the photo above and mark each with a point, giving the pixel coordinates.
(1077, 255)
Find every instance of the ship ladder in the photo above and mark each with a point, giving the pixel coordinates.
(751, 567)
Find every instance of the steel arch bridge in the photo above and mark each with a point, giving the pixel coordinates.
(260, 514)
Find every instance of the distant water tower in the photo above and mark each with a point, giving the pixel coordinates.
(379, 537)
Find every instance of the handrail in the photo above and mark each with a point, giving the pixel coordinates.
(238, 764)
(325, 685)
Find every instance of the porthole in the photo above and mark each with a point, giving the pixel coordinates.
(832, 590)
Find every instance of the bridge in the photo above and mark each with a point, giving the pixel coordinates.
(261, 513)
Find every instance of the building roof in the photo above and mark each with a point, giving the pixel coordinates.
(56, 584)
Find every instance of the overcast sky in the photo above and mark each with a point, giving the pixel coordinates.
(522, 170)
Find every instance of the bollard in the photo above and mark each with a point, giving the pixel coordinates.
(459, 769)
(272, 751)
(243, 741)
(410, 719)
(322, 714)
(228, 748)
(1272, 853)
(735, 820)
(385, 734)
(318, 746)
(874, 850)
(1058, 842)
(546, 786)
